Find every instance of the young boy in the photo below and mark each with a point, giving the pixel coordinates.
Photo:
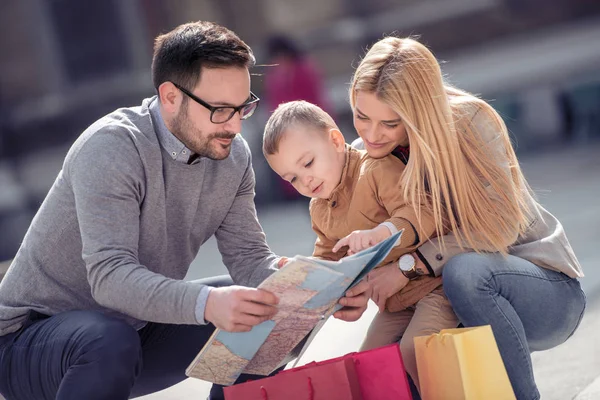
(357, 202)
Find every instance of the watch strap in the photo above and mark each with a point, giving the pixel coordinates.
(410, 274)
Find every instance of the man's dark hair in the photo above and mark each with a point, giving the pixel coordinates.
(180, 55)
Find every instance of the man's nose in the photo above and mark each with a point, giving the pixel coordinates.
(235, 123)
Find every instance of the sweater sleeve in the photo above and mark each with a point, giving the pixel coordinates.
(108, 182)
(241, 240)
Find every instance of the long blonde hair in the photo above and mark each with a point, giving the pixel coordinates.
(450, 163)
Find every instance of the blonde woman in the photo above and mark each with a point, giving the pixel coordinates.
(505, 260)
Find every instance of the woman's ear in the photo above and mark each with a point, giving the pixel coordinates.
(338, 140)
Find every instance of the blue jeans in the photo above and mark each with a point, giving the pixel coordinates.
(88, 355)
(529, 308)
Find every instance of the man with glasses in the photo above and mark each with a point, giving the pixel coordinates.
(94, 305)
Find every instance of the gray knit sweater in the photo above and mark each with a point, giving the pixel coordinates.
(122, 223)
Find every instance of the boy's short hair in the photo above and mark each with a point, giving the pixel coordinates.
(298, 112)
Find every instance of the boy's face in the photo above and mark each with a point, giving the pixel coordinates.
(311, 161)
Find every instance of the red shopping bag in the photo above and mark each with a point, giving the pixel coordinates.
(381, 373)
(334, 380)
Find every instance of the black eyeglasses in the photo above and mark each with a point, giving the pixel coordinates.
(220, 115)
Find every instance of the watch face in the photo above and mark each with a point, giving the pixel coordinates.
(407, 262)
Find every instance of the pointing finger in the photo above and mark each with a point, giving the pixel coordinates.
(341, 243)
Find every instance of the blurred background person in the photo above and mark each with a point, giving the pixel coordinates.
(292, 75)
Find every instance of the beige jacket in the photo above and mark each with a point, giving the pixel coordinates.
(544, 244)
(369, 193)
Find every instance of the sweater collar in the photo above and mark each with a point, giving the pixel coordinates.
(172, 145)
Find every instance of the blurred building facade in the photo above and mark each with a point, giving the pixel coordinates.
(66, 63)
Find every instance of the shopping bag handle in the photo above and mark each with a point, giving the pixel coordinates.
(311, 391)
(442, 335)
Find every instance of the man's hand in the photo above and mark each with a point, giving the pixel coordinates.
(239, 308)
(355, 302)
(386, 281)
(282, 262)
(360, 240)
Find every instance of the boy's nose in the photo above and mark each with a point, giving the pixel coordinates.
(307, 180)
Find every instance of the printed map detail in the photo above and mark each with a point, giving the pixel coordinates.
(308, 291)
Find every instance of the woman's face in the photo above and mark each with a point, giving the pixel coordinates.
(380, 128)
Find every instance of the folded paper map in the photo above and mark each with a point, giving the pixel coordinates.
(308, 291)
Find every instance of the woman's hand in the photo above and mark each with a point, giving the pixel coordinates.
(355, 302)
(360, 240)
(386, 281)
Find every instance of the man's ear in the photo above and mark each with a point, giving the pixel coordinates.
(170, 97)
(337, 138)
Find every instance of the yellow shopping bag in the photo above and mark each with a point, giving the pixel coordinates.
(462, 363)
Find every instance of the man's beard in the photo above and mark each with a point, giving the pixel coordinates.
(194, 139)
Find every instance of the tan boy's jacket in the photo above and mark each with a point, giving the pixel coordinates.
(370, 193)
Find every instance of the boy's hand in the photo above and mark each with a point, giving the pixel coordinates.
(360, 240)
(239, 308)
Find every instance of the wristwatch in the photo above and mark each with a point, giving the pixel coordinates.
(408, 266)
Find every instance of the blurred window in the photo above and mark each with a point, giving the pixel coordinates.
(583, 105)
(91, 38)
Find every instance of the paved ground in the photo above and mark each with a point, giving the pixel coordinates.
(567, 183)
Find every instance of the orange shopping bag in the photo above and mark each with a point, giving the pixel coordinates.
(462, 363)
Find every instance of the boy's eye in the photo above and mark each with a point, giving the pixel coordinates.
(361, 117)
(308, 164)
(293, 180)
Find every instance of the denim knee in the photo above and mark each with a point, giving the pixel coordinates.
(110, 342)
(464, 274)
